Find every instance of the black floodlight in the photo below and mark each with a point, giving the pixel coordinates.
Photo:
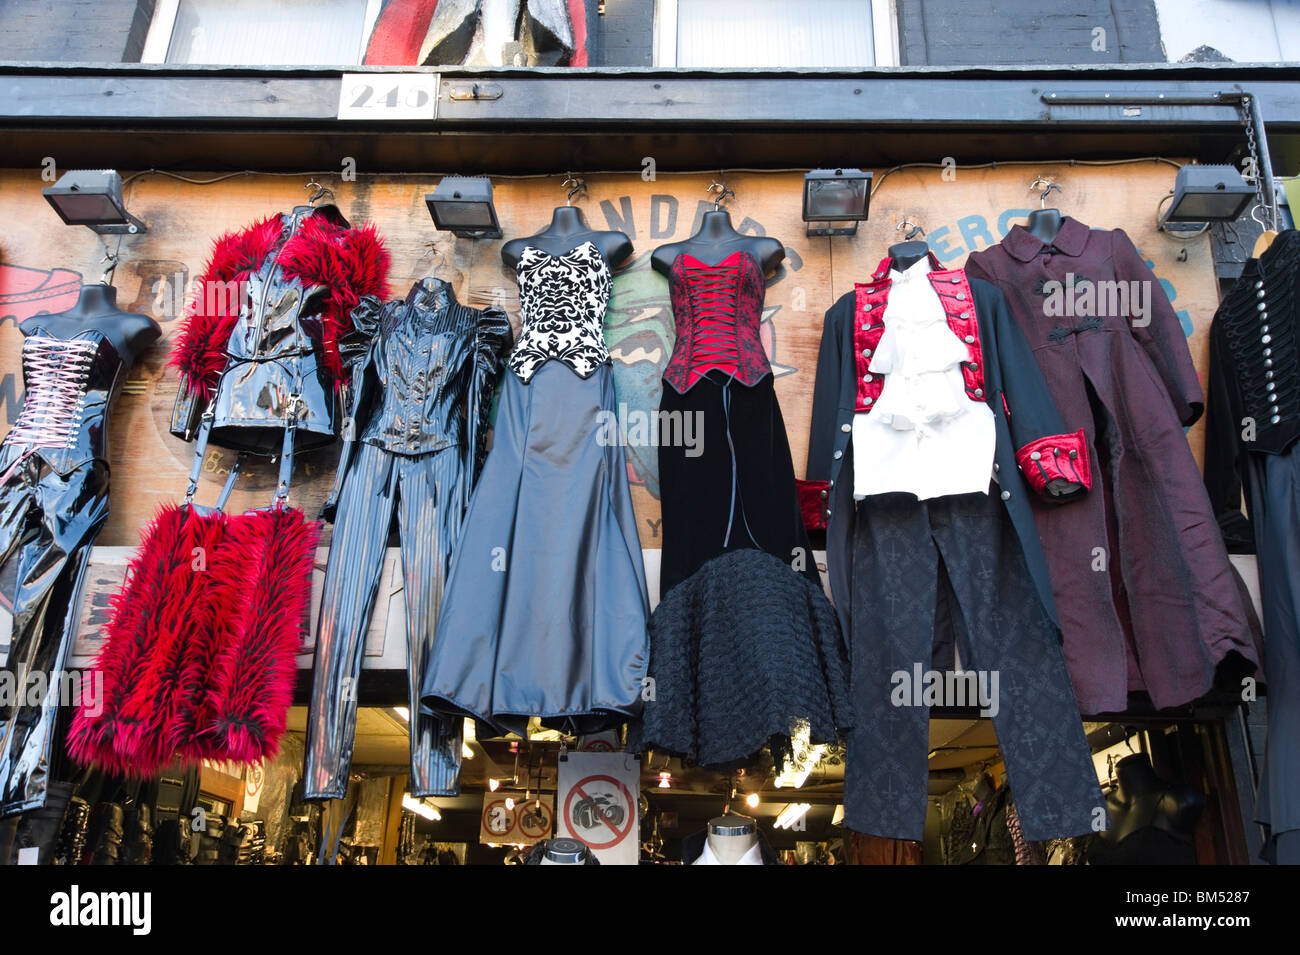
(462, 205)
(1207, 194)
(839, 198)
(93, 198)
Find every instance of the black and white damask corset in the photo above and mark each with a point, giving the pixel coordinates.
(563, 299)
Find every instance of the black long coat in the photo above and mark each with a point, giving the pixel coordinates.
(1013, 387)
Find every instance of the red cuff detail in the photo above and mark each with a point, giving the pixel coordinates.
(1057, 457)
(814, 503)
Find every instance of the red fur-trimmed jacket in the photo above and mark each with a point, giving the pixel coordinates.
(267, 319)
(1033, 454)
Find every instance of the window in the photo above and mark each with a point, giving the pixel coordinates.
(712, 34)
(1247, 31)
(257, 32)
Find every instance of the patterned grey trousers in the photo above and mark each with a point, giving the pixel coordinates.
(951, 570)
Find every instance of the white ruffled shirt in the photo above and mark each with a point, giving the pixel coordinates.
(923, 435)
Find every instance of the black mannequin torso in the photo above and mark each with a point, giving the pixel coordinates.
(567, 231)
(130, 333)
(1044, 224)
(907, 254)
(716, 240)
(1144, 799)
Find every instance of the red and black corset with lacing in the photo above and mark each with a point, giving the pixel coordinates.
(717, 310)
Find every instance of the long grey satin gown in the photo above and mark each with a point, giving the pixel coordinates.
(544, 612)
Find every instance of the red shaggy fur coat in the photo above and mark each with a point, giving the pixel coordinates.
(199, 660)
(350, 263)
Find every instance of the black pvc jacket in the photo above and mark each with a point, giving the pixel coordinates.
(427, 379)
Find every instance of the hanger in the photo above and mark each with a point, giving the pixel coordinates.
(1266, 237)
(429, 249)
(107, 277)
(723, 193)
(579, 186)
(912, 233)
(320, 193)
(1111, 781)
(1042, 198)
(1129, 733)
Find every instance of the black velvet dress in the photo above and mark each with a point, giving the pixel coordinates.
(745, 647)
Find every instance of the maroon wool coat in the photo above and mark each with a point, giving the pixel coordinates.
(1146, 597)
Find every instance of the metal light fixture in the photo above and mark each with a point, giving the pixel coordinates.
(421, 808)
(93, 198)
(839, 198)
(791, 814)
(1205, 194)
(462, 205)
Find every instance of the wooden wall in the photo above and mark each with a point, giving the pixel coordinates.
(45, 261)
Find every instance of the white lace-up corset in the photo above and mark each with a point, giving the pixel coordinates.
(563, 299)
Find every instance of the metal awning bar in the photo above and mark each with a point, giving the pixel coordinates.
(1242, 101)
(558, 98)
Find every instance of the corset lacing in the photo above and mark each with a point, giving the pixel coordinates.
(713, 292)
(56, 372)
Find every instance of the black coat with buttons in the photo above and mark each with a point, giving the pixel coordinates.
(1254, 400)
(1014, 390)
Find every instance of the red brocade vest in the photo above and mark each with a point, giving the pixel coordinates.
(869, 325)
(717, 310)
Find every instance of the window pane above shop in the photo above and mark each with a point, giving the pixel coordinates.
(253, 32)
(774, 33)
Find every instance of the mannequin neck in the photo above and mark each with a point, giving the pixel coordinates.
(567, 220)
(1044, 224)
(907, 254)
(731, 836)
(94, 300)
(716, 227)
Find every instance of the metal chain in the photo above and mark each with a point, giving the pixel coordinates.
(1256, 164)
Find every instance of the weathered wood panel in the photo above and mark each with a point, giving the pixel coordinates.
(43, 261)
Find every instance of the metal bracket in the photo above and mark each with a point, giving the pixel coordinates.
(473, 91)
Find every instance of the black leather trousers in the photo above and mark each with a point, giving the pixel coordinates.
(426, 490)
(48, 522)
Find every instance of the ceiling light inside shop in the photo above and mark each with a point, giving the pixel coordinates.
(791, 814)
(403, 712)
(799, 766)
(752, 800)
(665, 781)
(421, 808)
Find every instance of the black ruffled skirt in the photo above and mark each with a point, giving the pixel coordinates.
(743, 654)
(745, 648)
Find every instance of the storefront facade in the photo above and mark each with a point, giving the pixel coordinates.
(622, 99)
